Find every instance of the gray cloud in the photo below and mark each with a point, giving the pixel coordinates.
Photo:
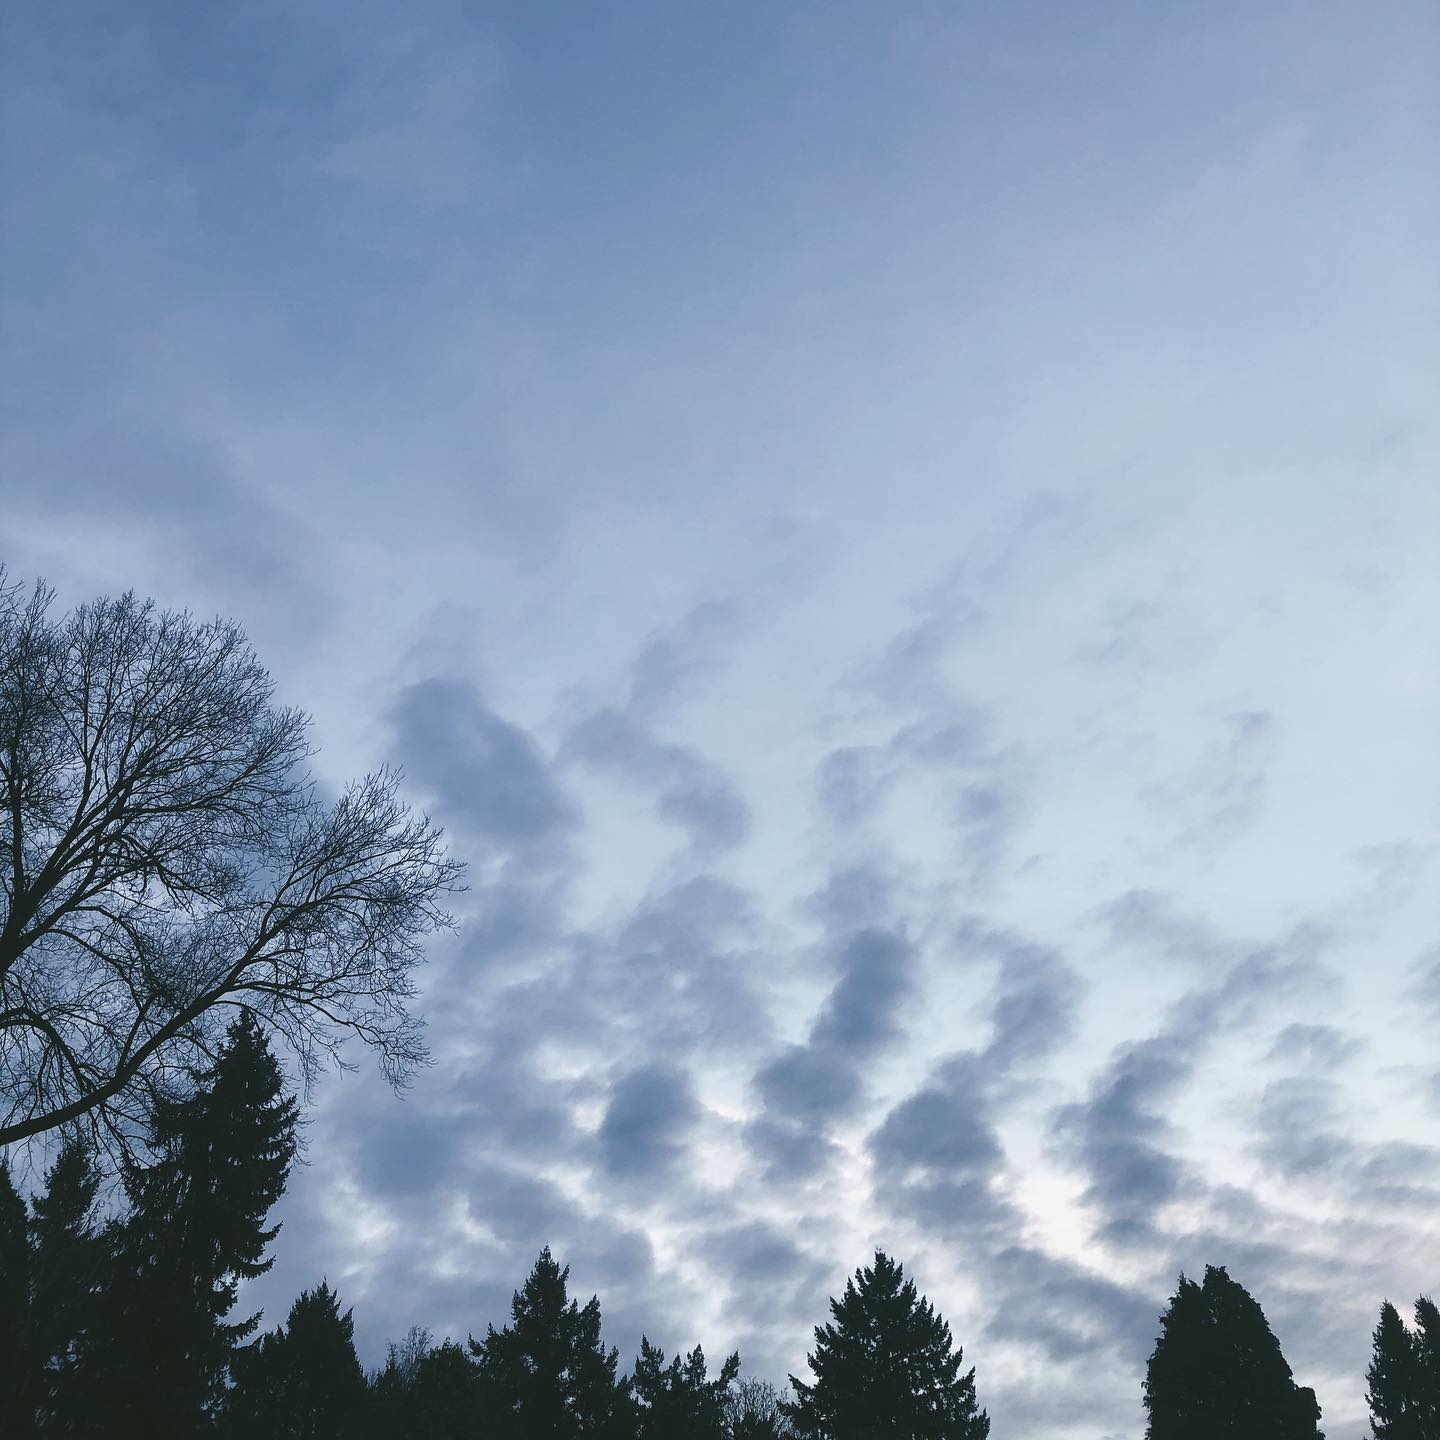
(1319, 1046)
(650, 1113)
(1222, 794)
(808, 1086)
(674, 664)
(1427, 985)
(491, 773)
(1118, 1135)
(690, 790)
(1067, 1312)
(1153, 922)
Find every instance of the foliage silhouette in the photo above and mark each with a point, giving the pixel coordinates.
(164, 860)
(1403, 1381)
(1217, 1370)
(302, 1380)
(752, 1412)
(16, 1355)
(195, 1230)
(677, 1401)
(547, 1373)
(884, 1366)
(67, 1268)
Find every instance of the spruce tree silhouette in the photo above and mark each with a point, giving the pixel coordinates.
(1427, 1355)
(1394, 1380)
(1217, 1370)
(884, 1366)
(196, 1229)
(547, 1373)
(17, 1361)
(69, 1264)
(677, 1401)
(1404, 1376)
(302, 1380)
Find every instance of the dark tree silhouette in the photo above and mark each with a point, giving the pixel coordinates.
(1393, 1380)
(443, 1402)
(677, 1401)
(391, 1407)
(1427, 1354)
(884, 1366)
(196, 1229)
(1217, 1370)
(67, 1267)
(1403, 1379)
(752, 1412)
(547, 1373)
(302, 1380)
(164, 858)
(16, 1355)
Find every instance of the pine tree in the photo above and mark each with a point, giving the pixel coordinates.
(68, 1268)
(1394, 1380)
(1427, 1360)
(547, 1373)
(195, 1230)
(1218, 1370)
(17, 1361)
(884, 1366)
(678, 1401)
(303, 1380)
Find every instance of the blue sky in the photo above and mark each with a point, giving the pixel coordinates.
(898, 539)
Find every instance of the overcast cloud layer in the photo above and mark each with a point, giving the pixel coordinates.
(900, 541)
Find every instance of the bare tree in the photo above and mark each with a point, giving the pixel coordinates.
(167, 857)
(752, 1412)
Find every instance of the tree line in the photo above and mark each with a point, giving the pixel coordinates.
(122, 1324)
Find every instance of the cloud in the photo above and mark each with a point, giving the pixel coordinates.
(1119, 1136)
(177, 495)
(1427, 984)
(1153, 922)
(1222, 794)
(492, 778)
(1321, 1047)
(691, 791)
(806, 1087)
(1067, 1312)
(680, 971)
(650, 1112)
(675, 663)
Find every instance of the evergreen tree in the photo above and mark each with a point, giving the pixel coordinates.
(547, 1373)
(16, 1355)
(884, 1366)
(1427, 1360)
(677, 1401)
(1217, 1370)
(196, 1229)
(302, 1381)
(68, 1268)
(1394, 1380)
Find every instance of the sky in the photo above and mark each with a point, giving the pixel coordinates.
(899, 542)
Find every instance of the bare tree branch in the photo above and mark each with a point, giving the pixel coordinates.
(164, 856)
